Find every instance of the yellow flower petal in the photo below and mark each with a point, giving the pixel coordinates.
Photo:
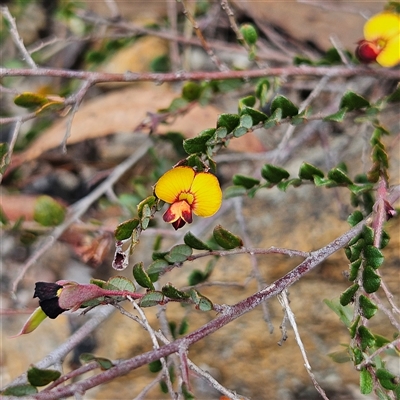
(390, 54)
(174, 182)
(384, 26)
(207, 193)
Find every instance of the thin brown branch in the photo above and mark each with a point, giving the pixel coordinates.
(101, 77)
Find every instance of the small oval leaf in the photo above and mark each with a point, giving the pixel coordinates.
(373, 256)
(228, 121)
(124, 230)
(226, 239)
(195, 243)
(246, 181)
(173, 293)
(151, 299)
(366, 382)
(287, 107)
(141, 276)
(274, 174)
(179, 253)
(371, 280)
(368, 308)
(348, 295)
(353, 101)
(339, 176)
(48, 212)
(42, 377)
(308, 171)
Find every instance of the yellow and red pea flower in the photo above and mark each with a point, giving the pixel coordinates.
(381, 40)
(187, 192)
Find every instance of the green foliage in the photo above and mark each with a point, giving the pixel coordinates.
(103, 363)
(48, 212)
(226, 239)
(42, 377)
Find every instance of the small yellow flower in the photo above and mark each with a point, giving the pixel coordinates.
(382, 40)
(188, 191)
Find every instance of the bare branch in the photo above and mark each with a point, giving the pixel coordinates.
(100, 77)
(16, 38)
(283, 299)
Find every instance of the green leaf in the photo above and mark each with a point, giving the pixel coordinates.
(262, 88)
(373, 256)
(48, 212)
(358, 356)
(124, 230)
(120, 283)
(345, 313)
(338, 116)
(353, 327)
(226, 239)
(194, 242)
(155, 366)
(368, 308)
(157, 266)
(274, 174)
(173, 293)
(287, 107)
(340, 357)
(204, 304)
(179, 253)
(42, 377)
(187, 394)
(196, 277)
(30, 100)
(355, 218)
(151, 299)
(308, 171)
(248, 101)
(290, 182)
(353, 101)
(239, 131)
(385, 239)
(247, 181)
(387, 379)
(367, 339)
(246, 121)
(395, 96)
(256, 116)
(354, 268)
(198, 144)
(228, 121)
(249, 34)
(184, 327)
(20, 390)
(191, 91)
(371, 281)
(348, 295)
(104, 363)
(274, 119)
(318, 181)
(234, 191)
(141, 276)
(360, 189)
(366, 382)
(144, 211)
(339, 176)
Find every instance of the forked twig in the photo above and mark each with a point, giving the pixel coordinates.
(283, 299)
